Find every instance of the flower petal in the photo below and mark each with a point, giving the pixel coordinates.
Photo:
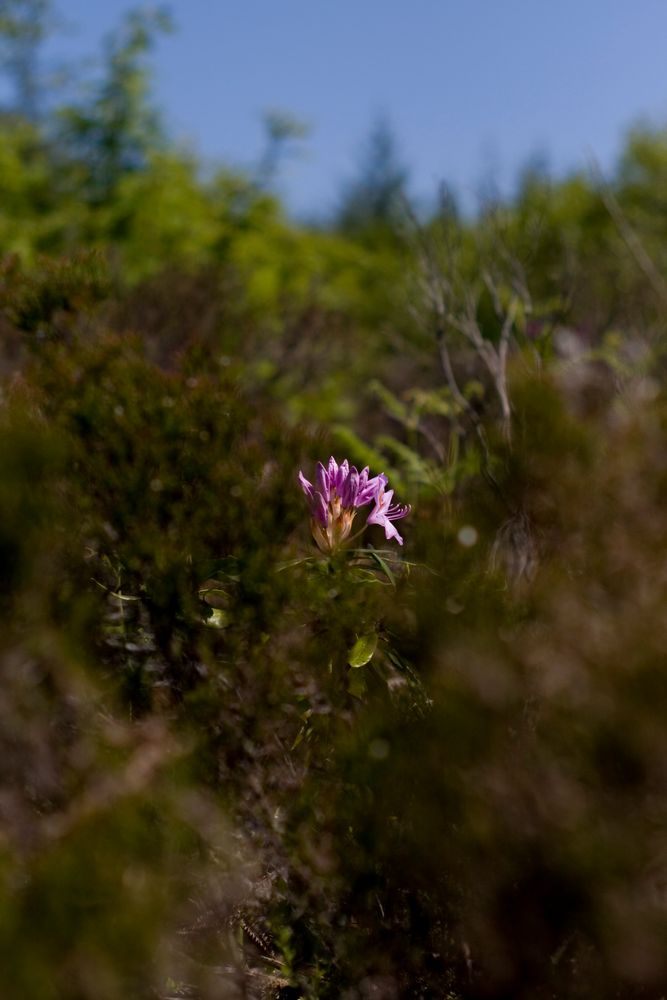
(391, 532)
(323, 481)
(370, 490)
(305, 485)
(341, 477)
(319, 509)
(351, 489)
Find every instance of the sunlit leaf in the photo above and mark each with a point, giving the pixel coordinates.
(363, 650)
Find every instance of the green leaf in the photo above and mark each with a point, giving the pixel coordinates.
(383, 566)
(363, 650)
(218, 619)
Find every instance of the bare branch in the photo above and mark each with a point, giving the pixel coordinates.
(629, 236)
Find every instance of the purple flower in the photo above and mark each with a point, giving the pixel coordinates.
(336, 496)
(383, 514)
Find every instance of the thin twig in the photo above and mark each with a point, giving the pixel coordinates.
(629, 236)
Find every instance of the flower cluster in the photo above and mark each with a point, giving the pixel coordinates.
(337, 494)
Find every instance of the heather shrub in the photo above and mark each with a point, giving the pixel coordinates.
(235, 762)
(104, 838)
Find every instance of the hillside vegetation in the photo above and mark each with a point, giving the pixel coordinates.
(237, 763)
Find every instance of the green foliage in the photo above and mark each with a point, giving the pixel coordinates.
(24, 24)
(113, 132)
(46, 302)
(374, 200)
(282, 129)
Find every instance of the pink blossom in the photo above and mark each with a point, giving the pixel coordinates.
(338, 492)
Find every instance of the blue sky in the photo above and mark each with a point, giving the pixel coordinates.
(473, 88)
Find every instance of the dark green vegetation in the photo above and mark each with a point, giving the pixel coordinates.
(231, 767)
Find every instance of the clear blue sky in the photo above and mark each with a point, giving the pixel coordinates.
(471, 87)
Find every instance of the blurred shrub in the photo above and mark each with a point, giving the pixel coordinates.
(103, 839)
(510, 842)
